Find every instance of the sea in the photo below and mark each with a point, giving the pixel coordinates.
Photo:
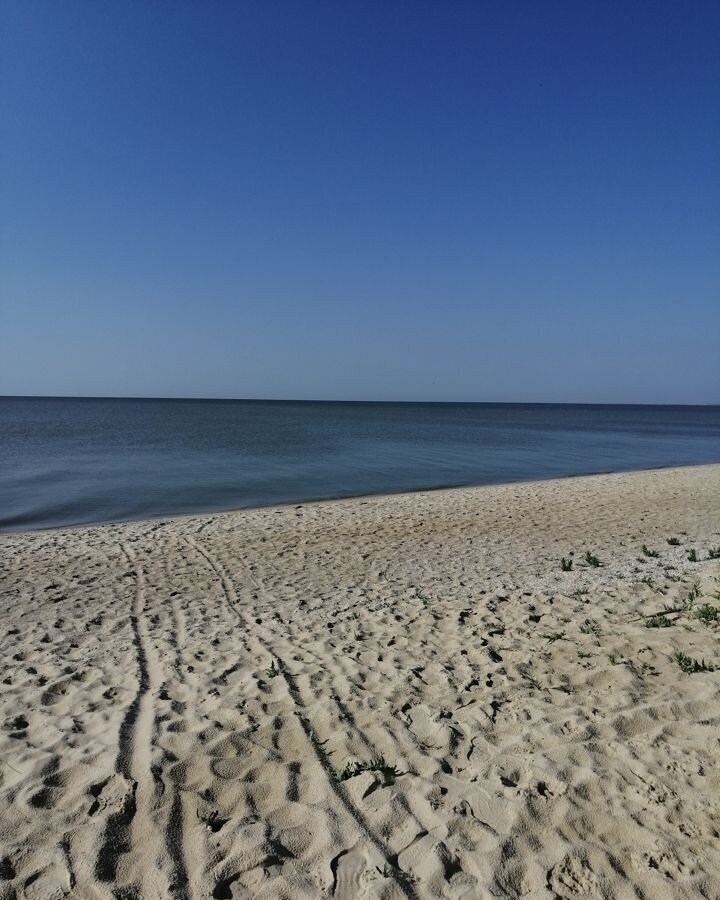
(71, 461)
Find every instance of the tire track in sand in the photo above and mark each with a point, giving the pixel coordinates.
(338, 796)
(133, 830)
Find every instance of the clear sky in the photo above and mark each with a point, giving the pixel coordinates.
(445, 200)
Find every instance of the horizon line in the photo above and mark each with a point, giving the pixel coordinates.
(365, 401)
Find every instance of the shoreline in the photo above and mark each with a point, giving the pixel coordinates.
(314, 501)
(405, 695)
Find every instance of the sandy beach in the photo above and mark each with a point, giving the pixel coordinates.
(388, 697)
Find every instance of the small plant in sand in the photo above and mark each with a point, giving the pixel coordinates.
(389, 871)
(707, 613)
(653, 554)
(658, 621)
(714, 553)
(315, 740)
(211, 820)
(692, 596)
(566, 564)
(530, 678)
(583, 655)
(276, 668)
(612, 659)
(692, 555)
(690, 665)
(376, 764)
(674, 542)
(590, 627)
(592, 560)
(554, 636)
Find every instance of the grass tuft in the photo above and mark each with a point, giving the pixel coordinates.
(554, 636)
(690, 665)
(376, 764)
(531, 679)
(707, 613)
(389, 871)
(658, 621)
(276, 668)
(692, 596)
(211, 820)
(590, 627)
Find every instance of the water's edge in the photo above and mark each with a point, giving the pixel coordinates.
(318, 501)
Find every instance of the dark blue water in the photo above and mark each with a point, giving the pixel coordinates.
(68, 461)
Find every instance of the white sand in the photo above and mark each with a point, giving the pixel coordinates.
(146, 751)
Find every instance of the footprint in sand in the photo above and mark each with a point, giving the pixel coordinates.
(349, 868)
(110, 794)
(573, 876)
(52, 883)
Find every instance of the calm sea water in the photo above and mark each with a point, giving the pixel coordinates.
(68, 461)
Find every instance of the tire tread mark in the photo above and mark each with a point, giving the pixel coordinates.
(136, 736)
(301, 713)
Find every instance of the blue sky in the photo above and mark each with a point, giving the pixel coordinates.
(365, 200)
